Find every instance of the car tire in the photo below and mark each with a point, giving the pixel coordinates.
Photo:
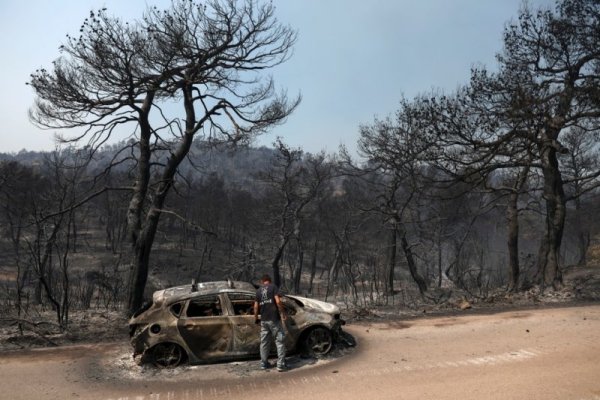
(167, 355)
(317, 342)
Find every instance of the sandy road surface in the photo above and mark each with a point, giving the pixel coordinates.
(537, 354)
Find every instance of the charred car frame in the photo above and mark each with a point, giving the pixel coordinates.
(214, 321)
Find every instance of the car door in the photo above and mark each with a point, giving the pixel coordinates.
(206, 328)
(246, 333)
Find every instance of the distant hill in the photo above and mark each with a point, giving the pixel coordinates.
(236, 167)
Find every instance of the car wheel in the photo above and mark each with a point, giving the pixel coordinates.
(167, 355)
(318, 341)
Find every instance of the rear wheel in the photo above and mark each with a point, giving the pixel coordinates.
(167, 355)
(317, 342)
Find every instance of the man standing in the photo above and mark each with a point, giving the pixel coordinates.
(268, 303)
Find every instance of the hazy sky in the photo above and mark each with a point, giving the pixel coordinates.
(353, 61)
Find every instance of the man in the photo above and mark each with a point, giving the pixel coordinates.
(268, 303)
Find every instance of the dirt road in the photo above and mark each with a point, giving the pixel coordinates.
(539, 354)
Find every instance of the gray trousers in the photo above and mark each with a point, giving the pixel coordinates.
(268, 331)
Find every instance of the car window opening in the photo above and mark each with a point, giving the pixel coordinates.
(243, 304)
(176, 309)
(204, 308)
(243, 307)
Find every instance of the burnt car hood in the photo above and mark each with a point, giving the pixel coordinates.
(316, 305)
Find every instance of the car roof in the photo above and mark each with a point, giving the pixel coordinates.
(178, 293)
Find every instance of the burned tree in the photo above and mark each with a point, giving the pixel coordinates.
(547, 85)
(193, 70)
(581, 170)
(395, 152)
(295, 180)
(20, 190)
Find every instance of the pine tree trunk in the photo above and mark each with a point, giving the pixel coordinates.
(412, 266)
(513, 243)
(548, 261)
(391, 264)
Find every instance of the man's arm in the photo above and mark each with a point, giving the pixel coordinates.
(256, 312)
(280, 307)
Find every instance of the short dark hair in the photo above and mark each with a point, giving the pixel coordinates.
(265, 278)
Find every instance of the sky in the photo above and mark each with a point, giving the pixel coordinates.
(353, 62)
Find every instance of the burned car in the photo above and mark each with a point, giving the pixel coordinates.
(214, 321)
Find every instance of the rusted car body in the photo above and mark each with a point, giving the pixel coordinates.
(212, 321)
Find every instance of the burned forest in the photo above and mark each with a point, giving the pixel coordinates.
(477, 196)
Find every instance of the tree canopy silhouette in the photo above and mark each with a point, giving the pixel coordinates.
(193, 70)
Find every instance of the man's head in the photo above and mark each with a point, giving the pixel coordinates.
(265, 279)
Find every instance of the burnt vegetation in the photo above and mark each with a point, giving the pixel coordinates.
(490, 189)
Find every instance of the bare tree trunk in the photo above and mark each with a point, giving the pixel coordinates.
(297, 277)
(64, 262)
(313, 268)
(139, 273)
(583, 234)
(139, 265)
(21, 275)
(548, 261)
(412, 266)
(391, 264)
(201, 264)
(439, 260)
(73, 224)
(583, 241)
(333, 271)
(513, 242)
(276, 259)
(512, 213)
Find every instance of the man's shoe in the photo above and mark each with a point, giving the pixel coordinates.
(282, 368)
(265, 365)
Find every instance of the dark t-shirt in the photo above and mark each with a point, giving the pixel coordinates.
(265, 296)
